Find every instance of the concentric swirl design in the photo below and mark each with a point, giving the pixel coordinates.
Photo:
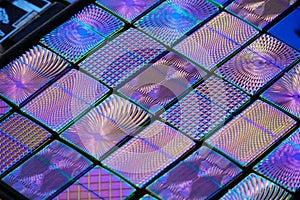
(156, 144)
(167, 23)
(99, 20)
(200, 9)
(256, 187)
(274, 51)
(104, 126)
(72, 40)
(248, 70)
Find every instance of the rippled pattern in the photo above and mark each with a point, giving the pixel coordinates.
(274, 51)
(65, 100)
(158, 143)
(249, 71)
(25, 75)
(3, 108)
(128, 9)
(256, 187)
(104, 126)
(252, 132)
(97, 184)
(167, 23)
(72, 40)
(198, 177)
(260, 12)
(99, 20)
(162, 82)
(199, 9)
(122, 57)
(195, 115)
(283, 162)
(47, 171)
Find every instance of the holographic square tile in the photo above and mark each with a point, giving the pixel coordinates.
(259, 12)
(3, 108)
(200, 9)
(128, 9)
(252, 132)
(97, 184)
(274, 51)
(222, 93)
(25, 75)
(161, 83)
(122, 57)
(249, 71)
(143, 157)
(106, 125)
(167, 23)
(256, 187)
(72, 40)
(99, 20)
(47, 171)
(283, 162)
(195, 115)
(200, 176)
(65, 100)
(18, 136)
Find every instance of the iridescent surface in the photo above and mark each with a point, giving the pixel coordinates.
(122, 57)
(104, 126)
(99, 20)
(259, 12)
(128, 9)
(65, 99)
(47, 171)
(198, 177)
(161, 83)
(148, 197)
(167, 23)
(156, 147)
(252, 132)
(18, 137)
(3, 108)
(256, 187)
(25, 75)
(283, 162)
(72, 40)
(216, 40)
(97, 184)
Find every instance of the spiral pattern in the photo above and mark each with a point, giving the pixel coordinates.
(249, 71)
(72, 40)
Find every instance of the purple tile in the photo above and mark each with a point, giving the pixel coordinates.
(106, 125)
(25, 75)
(3, 108)
(156, 144)
(65, 99)
(47, 171)
(256, 187)
(198, 177)
(162, 82)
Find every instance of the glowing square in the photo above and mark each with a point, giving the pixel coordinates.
(143, 157)
(256, 187)
(283, 162)
(65, 100)
(72, 40)
(252, 132)
(25, 75)
(97, 184)
(195, 115)
(161, 83)
(122, 57)
(47, 171)
(202, 174)
(259, 13)
(99, 20)
(106, 125)
(167, 23)
(128, 9)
